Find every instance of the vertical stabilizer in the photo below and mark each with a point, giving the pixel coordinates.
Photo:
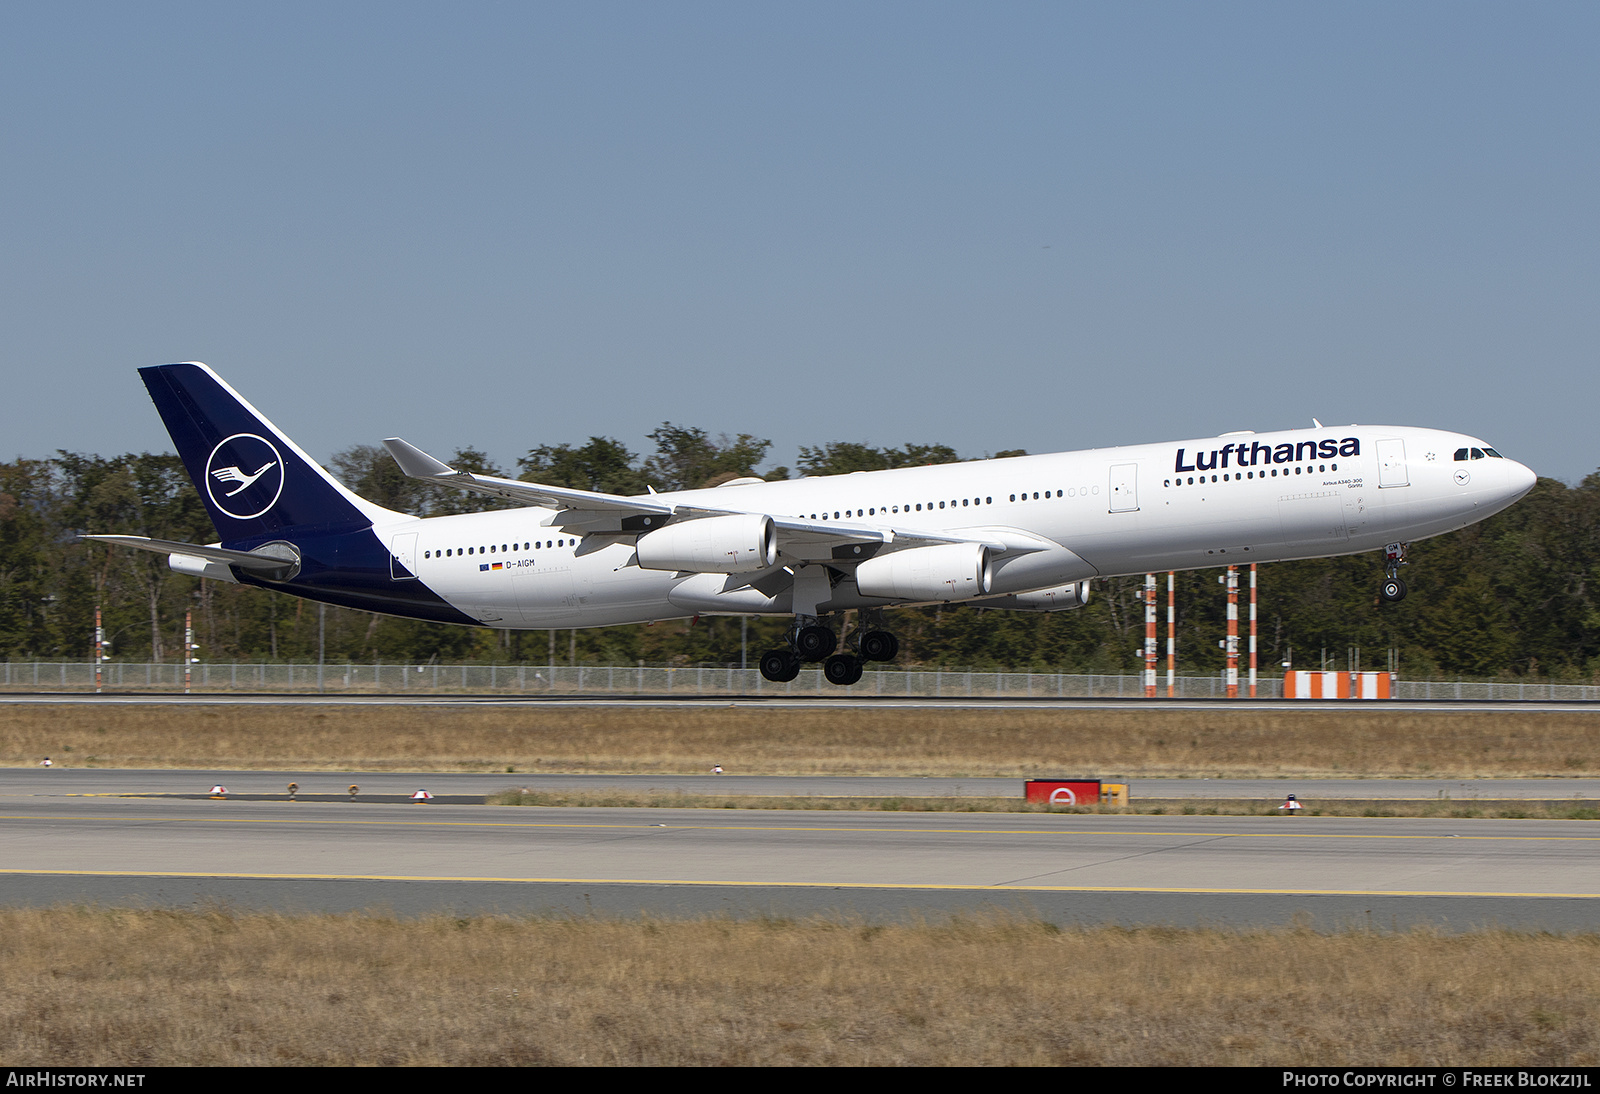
(254, 481)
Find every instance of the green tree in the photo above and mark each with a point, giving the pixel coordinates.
(603, 464)
(845, 457)
(687, 458)
(142, 494)
(369, 470)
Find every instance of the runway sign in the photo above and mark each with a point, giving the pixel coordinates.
(1064, 791)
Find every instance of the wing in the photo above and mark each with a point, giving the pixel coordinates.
(588, 511)
(578, 509)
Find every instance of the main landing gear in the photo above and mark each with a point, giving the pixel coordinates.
(1393, 589)
(812, 641)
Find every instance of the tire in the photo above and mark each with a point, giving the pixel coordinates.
(815, 643)
(879, 646)
(1393, 590)
(842, 669)
(779, 666)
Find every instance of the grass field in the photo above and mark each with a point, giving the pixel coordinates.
(139, 988)
(745, 740)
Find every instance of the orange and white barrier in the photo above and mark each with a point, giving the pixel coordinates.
(1298, 684)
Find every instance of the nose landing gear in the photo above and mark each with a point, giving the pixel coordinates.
(1393, 589)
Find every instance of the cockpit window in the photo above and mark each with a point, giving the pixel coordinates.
(1477, 453)
(1461, 454)
(1492, 452)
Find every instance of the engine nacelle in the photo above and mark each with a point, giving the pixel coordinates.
(953, 571)
(1026, 571)
(1059, 599)
(739, 543)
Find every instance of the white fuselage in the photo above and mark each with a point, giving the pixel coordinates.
(1220, 501)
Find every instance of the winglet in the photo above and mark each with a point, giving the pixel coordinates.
(414, 461)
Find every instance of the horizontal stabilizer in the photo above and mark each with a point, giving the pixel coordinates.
(274, 561)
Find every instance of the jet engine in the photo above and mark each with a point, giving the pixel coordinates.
(953, 571)
(1059, 599)
(736, 544)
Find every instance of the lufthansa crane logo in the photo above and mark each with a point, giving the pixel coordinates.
(244, 476)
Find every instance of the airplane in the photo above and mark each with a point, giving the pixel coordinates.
(1024, 533)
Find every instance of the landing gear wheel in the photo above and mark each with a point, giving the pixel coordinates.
(815, 642)
(780, 666)
(1393, 590)
(842, 668)
(879, 646)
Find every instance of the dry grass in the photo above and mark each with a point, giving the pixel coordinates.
(749, 740)
(123, 988)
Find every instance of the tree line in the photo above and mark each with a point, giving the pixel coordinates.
(1513, 595)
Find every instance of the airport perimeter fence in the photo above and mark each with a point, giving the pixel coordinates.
(708, 680)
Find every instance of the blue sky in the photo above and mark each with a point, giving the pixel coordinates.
(1002, 226)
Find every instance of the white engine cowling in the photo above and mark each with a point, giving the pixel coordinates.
(1059, 599)
(736, 544)
(953, 571)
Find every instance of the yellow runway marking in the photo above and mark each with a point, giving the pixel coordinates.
(797, 884)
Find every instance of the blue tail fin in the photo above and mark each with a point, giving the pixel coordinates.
(254, 481)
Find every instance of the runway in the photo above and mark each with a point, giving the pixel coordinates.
(828, 702)
(101, 781)
(418, 859)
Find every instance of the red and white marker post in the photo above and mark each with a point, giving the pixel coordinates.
(1149, 636)
(1233, 632)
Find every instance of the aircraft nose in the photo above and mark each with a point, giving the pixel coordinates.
(1519, 478)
